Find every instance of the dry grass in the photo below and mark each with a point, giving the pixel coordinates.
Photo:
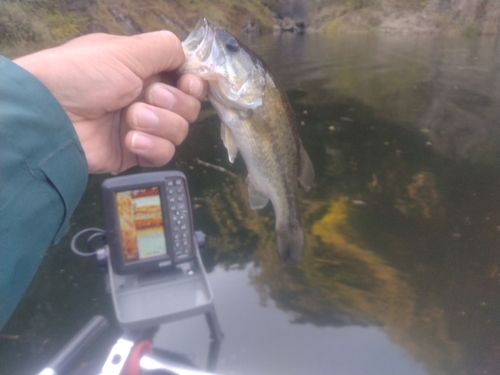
(37, 24)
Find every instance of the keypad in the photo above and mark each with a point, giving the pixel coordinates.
(179, 219)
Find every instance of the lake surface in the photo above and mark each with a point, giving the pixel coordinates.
(401, 271)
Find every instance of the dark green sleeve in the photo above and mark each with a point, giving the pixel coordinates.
(43, 173)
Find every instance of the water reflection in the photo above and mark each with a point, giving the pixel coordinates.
(404, 220)
(261, 340)
(402, 228)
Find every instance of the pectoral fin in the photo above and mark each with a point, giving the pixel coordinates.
(256, 197)
(227, 138)
(306, 170)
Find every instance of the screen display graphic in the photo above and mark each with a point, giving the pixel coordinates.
(141, 223)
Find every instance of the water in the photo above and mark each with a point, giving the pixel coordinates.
(401, 272)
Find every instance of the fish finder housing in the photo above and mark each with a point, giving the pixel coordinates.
(155, 271)
(148, 221)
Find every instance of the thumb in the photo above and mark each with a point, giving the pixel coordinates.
(151, 53)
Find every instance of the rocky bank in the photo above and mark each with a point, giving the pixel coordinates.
(469, 17)
(36, 24)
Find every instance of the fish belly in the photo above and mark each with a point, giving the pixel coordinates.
(270, 155)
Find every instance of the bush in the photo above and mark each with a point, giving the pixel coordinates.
(15, 25)
(64, 26)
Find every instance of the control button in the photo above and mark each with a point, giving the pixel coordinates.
(171, 199)
(179, 190)
(170, 183)
(178, 182)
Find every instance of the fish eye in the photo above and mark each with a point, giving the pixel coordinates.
(232, 45)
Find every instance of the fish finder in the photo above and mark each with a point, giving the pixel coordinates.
(152, 254)
(155, 273)
(148, 221)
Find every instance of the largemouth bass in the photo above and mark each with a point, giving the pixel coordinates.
(257, 121)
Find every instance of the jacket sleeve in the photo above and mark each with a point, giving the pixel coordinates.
(43, 174)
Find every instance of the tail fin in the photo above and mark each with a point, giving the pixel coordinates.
(290, 242)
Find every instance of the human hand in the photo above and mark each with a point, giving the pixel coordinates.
(123, 105)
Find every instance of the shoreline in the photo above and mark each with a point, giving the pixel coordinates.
(29, 26)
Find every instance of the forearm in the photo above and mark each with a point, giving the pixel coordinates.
(43, 173)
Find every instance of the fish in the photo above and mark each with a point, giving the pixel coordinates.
(258, 122)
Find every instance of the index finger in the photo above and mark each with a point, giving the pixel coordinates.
(151, 53)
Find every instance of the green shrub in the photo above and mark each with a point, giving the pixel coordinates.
(15, 25)
(65, 26)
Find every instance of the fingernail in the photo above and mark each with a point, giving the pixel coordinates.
(146, 119)
(195, 87)
(162, 98)
(140, 142)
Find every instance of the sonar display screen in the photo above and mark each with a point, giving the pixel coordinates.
(141, 224)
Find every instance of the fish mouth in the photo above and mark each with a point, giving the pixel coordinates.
(207, 57)
(198, 47)
(196, 36)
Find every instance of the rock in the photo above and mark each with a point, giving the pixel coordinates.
(295, 9)
(292, 16)
(125, 21)
(173, 25)
(251, 27)
(287, 24)
(96, 27)
(276, 15)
